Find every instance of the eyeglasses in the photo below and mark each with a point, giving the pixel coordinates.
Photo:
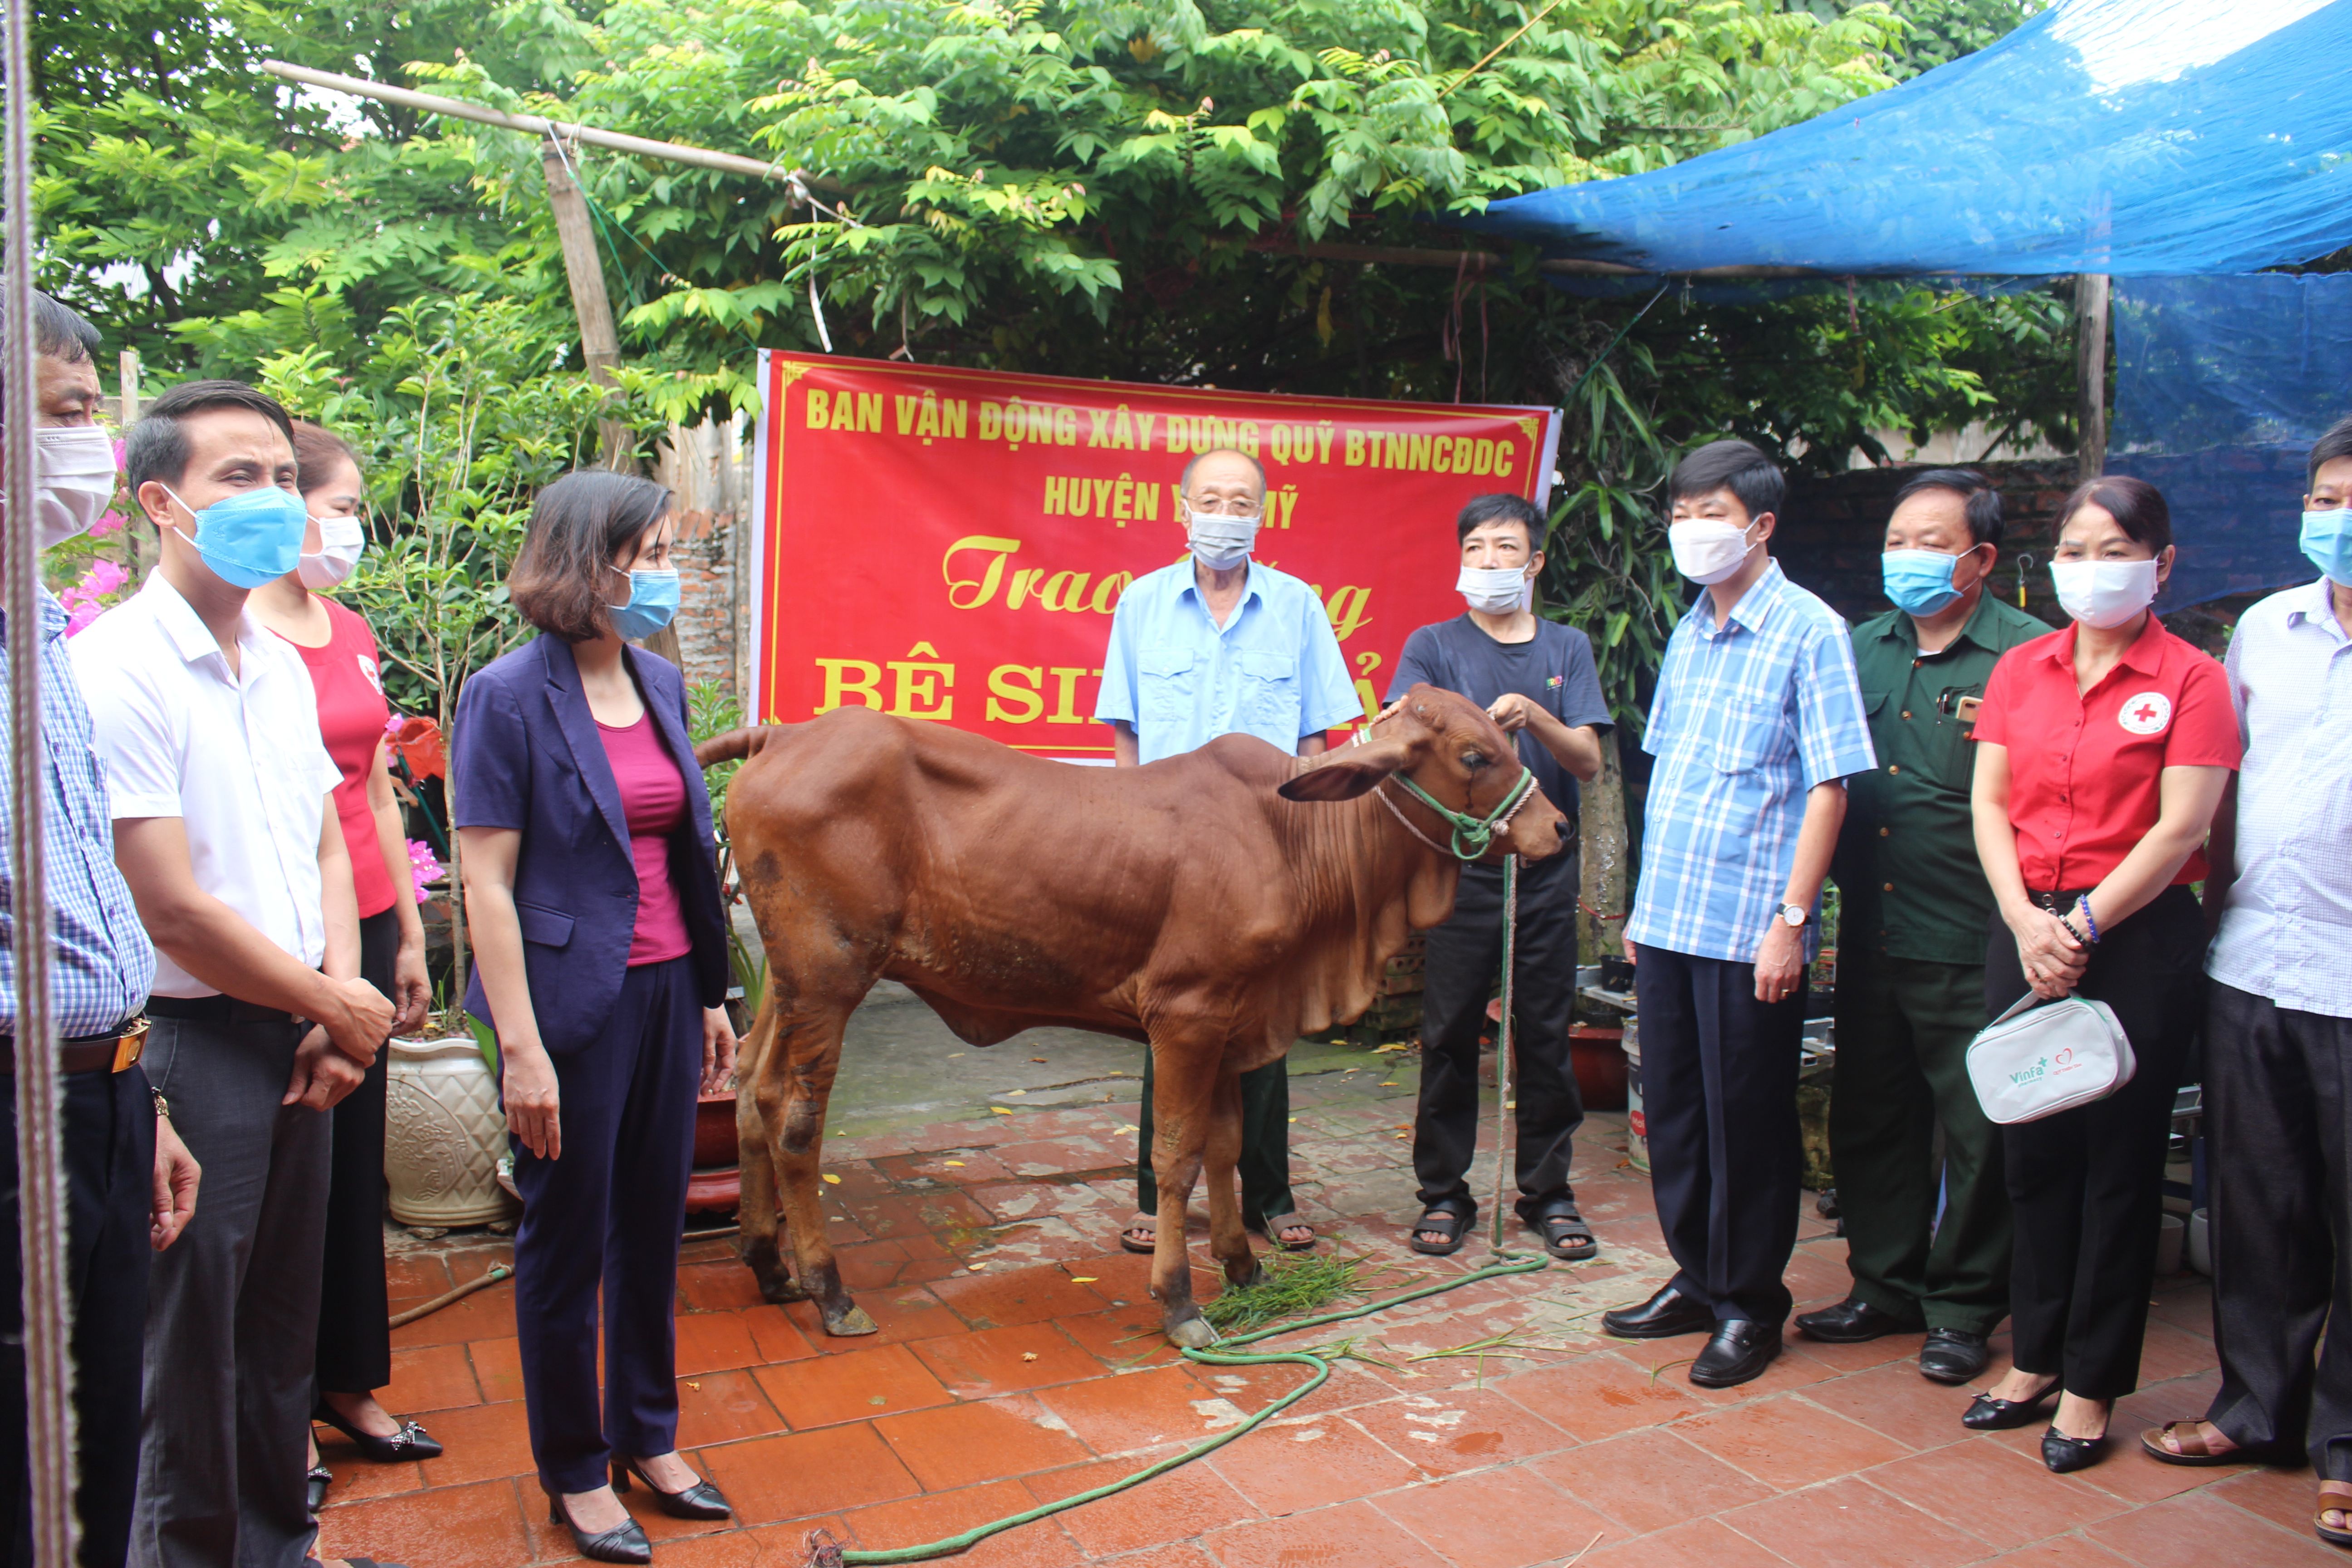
(1213, 506)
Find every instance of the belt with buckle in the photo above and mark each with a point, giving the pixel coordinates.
(110, 1052)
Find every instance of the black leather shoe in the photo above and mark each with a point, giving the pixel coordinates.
(318, 1481)
(1661, 1317)
(624, 1544)
(1739, 1350)
(1850, 1322)
(409, 1443)
(1986, 1414)
(700, 1501)
(1951, 1355)
(2063, 1453)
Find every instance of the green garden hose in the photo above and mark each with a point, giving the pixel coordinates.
(825, 1552)
(1322, 1373)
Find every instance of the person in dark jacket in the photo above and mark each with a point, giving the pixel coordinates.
(601, 960)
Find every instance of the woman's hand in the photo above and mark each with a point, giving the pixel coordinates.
(2053, 959)
(718, 1049)
(532, 1111)
(412, 988)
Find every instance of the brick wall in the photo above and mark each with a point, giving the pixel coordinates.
(705, 555)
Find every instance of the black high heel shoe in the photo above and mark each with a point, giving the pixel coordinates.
(1986, 1414)
(625, 1543)
(700, 1501)
(409, 1443)
(2064, 1454)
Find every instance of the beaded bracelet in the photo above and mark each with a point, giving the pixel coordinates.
(2084, 904)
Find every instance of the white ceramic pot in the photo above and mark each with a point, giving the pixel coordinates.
(443, 1134)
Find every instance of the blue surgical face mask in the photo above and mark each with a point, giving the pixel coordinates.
(2327, 543)
(251, 537)
(653, 600)
(1919, 582)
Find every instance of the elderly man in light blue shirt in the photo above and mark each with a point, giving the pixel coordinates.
(2278, 1028)
(1214, 645)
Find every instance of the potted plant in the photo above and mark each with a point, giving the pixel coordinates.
(443, 1131)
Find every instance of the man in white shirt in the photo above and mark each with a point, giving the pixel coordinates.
(217, 781)
(2278, 1105)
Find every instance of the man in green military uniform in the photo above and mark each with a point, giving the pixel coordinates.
(1911, 947)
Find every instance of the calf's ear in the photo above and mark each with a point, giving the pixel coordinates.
(1348, 772)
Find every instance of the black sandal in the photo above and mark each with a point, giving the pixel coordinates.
(1454, 1223)
(1565, 1234)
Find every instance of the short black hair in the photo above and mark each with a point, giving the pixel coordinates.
(2336, 443)
(2137, 506)
(1184, 482)
(317, 452)
(579, 526)
(1735, 466)
(1983, 500)
(157, 447)
(1499, 508)
(59, 332)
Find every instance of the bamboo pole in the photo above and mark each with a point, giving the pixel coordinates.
(539, 125)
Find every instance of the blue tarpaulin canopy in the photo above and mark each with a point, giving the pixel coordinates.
(2127, 137)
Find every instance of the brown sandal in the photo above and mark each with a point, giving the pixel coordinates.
(2334, 1535)
(2192, 1447)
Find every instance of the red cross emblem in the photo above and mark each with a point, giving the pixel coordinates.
(2145, 712)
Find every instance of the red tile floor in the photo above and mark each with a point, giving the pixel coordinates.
(1018, 1361)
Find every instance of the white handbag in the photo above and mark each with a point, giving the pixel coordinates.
(2036, 1061)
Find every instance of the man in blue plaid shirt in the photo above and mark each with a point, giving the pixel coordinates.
(1756, 722)
(130, 1183)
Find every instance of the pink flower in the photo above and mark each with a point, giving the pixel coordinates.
(85, 601)
(110, 523)
(423, 867)
(392, 725)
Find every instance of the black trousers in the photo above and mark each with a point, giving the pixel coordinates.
(605, 1215)
(2087, 1186)
(1466, 959)
(110, 1164)
(1719, 1092)
(2278, 1122)
(354, 1317)
(1264, 1164)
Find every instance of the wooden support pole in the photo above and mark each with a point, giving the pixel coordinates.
(539, 125)
(135, 534)
(600, 344)
(2091, 374)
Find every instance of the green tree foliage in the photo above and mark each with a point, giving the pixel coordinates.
(1127, 188)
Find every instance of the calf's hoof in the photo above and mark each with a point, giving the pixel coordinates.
(780, 1288)
(848, 1322)
(1193, 1334)
(1242, 1273)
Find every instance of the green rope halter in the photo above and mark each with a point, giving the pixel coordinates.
(1474, 835)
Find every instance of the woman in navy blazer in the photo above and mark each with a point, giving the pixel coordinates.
(600, 958)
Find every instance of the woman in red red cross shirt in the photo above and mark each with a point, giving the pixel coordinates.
(2102, 752)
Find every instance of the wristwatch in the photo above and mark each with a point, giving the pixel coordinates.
(1795, 914)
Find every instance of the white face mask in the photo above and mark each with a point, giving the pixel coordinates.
(1497, 590)
(2104, 594)
(341, 542)
(1707, 549)
(77, 480)
(1221, 542)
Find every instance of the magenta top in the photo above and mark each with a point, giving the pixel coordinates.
(653, 802)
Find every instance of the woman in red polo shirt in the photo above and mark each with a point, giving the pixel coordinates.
(2102, 752)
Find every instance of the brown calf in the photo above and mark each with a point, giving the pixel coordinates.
(1214, 905)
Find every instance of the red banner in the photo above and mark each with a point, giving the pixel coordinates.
(949, 544)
